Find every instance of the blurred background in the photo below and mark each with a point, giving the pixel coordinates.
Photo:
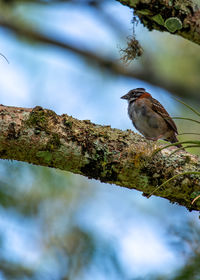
(65, 56)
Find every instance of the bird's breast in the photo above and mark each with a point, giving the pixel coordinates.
(148, 122)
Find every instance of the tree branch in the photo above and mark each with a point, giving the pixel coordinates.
(41, 137)
(180, 17)
(107, 63)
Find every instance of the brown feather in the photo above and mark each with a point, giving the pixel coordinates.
(159, 109)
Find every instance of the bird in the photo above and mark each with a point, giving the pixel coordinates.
(149, 117)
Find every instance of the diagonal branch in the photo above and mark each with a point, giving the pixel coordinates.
(108, 63)
(179, 17)
(41, 137)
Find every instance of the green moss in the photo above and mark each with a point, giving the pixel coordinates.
(54, 142)
(144, 180)
(185, 6)
(45, 156)
(170, 3)
(39, 118)
(133, 2)
(187, 159)
(145, 12)
(67, 123)
(146, 1)
(194, 194)
(159, 19)
(173, 24)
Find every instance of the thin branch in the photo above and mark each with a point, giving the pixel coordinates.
(189, 107)
(41, 137)
(108, 63)
(177, 17)
(185, 147)
(186, 119)
(172, 178)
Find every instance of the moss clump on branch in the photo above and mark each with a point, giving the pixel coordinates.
(173, 24)
(180, 17)
(39, 119)
(132, 51)
(45, 156)
(54, 142)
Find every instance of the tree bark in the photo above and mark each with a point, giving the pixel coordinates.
(41, 137)
(179, 17)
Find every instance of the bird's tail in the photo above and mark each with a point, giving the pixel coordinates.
(174, 139)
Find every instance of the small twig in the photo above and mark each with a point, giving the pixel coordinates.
(188, 106)
(188, 146)
(174, 144)
(193, 133)
(4, 57)
(172, 178)
(197, 197)
(187, 119)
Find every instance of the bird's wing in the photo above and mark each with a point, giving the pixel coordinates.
(159, 109)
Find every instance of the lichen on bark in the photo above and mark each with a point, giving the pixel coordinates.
(41, 137)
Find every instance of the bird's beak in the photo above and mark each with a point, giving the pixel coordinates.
(126, 96)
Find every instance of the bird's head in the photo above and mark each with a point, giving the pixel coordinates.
(134, 94)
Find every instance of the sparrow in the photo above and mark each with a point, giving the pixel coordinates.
(149, 117)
